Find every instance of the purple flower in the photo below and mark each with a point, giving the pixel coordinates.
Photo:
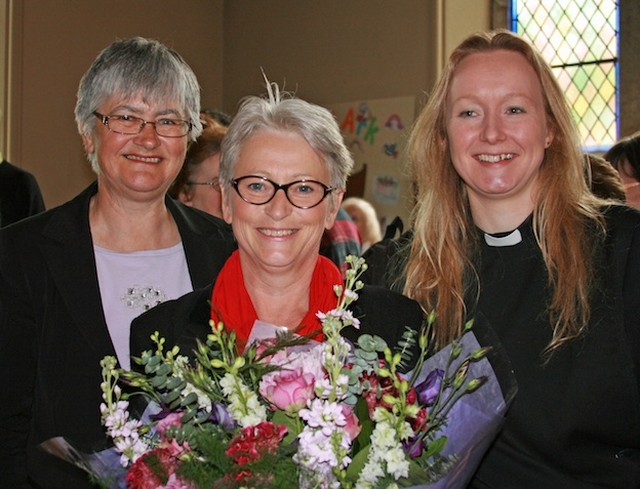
(412, 447)
(428, 389)
(220, 415)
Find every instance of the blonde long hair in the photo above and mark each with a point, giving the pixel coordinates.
(439, 272)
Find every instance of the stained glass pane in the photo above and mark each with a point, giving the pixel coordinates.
(579, 38)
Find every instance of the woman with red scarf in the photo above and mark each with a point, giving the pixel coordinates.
(283, 173)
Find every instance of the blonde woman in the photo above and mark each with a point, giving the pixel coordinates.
(506, 227)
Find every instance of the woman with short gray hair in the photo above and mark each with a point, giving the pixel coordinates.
(73, 278)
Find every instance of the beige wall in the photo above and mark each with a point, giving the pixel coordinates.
(462, 18)
(328, 51)
(54, 42)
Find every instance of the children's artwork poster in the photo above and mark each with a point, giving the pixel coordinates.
(376, 131)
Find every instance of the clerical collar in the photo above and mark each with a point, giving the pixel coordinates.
(503, 239)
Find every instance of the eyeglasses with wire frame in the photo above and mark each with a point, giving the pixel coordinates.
(127, 124)
(214, 184)
(303, 194)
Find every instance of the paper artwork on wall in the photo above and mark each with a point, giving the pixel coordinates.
(375, 132)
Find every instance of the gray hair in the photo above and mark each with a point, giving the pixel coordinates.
(282, 112)
(137, 65)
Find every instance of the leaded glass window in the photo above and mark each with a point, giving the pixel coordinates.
(579, 38)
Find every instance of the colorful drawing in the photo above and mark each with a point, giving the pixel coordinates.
(394, 122)
(390, 149)
(386, 189)
(375, 132)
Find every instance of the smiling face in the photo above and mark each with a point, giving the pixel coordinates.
(136, 166)
(497, 129)
(278, 235)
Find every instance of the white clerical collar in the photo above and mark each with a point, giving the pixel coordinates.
(510, 239)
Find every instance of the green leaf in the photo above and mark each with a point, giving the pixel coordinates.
(158, 382)
(191, 398)
(151, 363)
(163, 369)
(188, 416)
(417, 474)
(280, 417)
(357, 464)
(434, 447)
(366, 425)
(176, 382)
(171, 396)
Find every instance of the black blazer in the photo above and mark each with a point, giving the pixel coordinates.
(20, 195)
(53, 333)
(183, 321)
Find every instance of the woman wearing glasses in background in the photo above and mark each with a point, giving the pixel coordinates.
(73, 278)
(283, 172)
(197, 184)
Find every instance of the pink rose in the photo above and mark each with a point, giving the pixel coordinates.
(353, 423)
(288, 390)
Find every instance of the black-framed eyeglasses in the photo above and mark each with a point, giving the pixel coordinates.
(214, 184)
(127, 124)
(303, 194)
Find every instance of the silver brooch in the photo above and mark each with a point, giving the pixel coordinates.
(144, 298)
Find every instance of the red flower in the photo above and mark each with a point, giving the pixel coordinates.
(419, 422)
(254, 441)
(152, 469)
(381, 387)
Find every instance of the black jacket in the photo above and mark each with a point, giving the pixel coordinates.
(575, 421)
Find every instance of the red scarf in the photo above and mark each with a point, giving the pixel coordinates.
(232, 305)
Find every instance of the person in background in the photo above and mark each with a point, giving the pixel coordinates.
(283, 172)
(341, 240)
(218, 116)
(197, 183)
(365, 217)
(506, 228)
(603, 179)
(625, 158)
(73, 278)
(20, 195)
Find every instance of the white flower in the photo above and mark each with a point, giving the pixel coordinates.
(383, 436)
(397, 463)
(244, 405)
(204, 402)
(386, 455)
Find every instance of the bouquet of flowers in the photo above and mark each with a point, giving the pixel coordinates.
(290, 412)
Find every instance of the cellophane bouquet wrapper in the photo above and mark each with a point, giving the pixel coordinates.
(475, 420)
